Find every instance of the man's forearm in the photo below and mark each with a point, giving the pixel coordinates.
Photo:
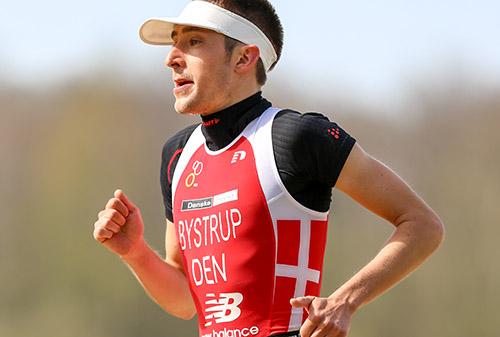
(165, 284)
(410, 244)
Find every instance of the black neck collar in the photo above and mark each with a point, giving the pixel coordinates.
(222, 127)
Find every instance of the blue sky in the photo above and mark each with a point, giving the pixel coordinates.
(370, 47)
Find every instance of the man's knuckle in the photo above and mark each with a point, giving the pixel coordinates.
(111, 203)
(117, 216)
(106, 212)
(102, 231)
(99, 236)
(314, 318)
(101, 223)
(329, 323)
(111, 227)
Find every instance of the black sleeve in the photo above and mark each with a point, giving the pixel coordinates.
(310, 151)
(169, 157)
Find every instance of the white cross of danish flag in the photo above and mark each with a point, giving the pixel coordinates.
(294, 246)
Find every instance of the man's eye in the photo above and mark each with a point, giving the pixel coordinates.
(194, 42)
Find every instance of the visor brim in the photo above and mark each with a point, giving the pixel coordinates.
(158, 31)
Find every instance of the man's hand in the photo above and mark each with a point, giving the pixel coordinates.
(327, 316)
(119, 226)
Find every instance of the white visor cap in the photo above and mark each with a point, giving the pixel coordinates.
(203, 14)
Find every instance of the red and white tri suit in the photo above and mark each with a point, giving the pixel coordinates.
(247, 245)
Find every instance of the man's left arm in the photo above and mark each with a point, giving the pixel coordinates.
(418, 232)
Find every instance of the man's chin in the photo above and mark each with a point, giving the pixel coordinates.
(181, 107)
(184, 107)
(181, 111)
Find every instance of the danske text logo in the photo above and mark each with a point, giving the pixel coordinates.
(188, 205)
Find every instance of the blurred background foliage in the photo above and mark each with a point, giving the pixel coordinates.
(65, 148)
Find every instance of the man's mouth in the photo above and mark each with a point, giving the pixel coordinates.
(182, 82)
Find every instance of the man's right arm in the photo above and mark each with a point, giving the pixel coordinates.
(120, 229)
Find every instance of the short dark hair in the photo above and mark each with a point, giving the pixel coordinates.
(262, 14)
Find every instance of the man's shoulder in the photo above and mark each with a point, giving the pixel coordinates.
(309, 147)
(170, 153)
(293, 114)
(301, 124)
(178, 140)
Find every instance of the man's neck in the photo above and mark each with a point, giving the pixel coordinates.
(222, 127)
(236, 97)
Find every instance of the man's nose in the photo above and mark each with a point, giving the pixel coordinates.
(174, 58)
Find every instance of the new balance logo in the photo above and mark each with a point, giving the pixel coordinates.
(238, 155)
(223, 309)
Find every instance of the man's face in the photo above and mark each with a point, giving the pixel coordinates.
(200, 70)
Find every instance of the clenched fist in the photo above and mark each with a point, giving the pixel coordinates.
(119, 226)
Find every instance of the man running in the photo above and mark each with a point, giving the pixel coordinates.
(247, 191)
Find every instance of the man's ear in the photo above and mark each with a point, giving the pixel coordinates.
(248, 56)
